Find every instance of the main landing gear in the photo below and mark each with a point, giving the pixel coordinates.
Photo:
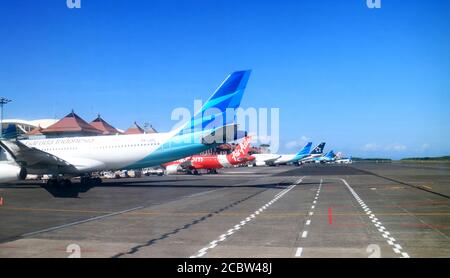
(54, 182)
(212, 171)
(91, 181)
(193, 172)
(62, 182)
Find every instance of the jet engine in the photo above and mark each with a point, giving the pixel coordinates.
(172, 169)
(12, 173)
(260, 163)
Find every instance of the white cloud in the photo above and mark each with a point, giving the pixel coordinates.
(396, 148)
(263, 139)
(425, 147)
(295, 144)
(371, 147)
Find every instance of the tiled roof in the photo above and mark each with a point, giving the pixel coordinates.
(71, 123)
(134, 129)
(105, 127)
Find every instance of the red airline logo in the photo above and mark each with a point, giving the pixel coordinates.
(197, 162)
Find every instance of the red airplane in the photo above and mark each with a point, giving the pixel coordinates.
(194, 163)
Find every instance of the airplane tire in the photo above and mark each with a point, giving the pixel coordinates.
(84, 181)
(97, 181)
(52, 182)
(65, 182)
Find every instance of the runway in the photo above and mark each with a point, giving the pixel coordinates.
(361, 210)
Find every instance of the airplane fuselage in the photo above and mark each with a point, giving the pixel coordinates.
(98, 153)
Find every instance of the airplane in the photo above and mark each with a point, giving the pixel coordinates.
(64, 158)
(316, 152)
(341, 160)
(263, 158)
(273, 160)
(211, 162)
(327, 158)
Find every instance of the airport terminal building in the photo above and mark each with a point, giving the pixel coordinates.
(72, 125)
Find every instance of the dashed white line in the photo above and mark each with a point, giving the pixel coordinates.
(299, 252)
(305, 234)
(390, 240)
(223, 237)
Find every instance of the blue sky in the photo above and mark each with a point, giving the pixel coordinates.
(369, 82)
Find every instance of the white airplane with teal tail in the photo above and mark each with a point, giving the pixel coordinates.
(279, 159)
(63, 158)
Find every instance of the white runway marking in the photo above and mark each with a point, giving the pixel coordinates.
(200, 193)
(305, 234)
(299, 252)
(390, 240)
(81, 222)
(308, 222)
(223, 237)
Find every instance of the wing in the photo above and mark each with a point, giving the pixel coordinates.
(271, 160)
(30, 157)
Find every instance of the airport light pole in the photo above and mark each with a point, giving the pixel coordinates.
(3, 101)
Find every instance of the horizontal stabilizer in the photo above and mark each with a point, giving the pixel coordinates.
(223, 135)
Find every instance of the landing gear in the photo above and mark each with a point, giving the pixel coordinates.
(55, 182)
(52, 182)
(195, 172)
(66, 182)
(212, 171)
(91, 181)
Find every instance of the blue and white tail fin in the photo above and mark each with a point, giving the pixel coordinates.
(226, 98)
(305, 151)
(319, 149)
(330, 155)
(9, 133)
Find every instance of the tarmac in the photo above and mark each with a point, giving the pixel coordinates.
(363, 210)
